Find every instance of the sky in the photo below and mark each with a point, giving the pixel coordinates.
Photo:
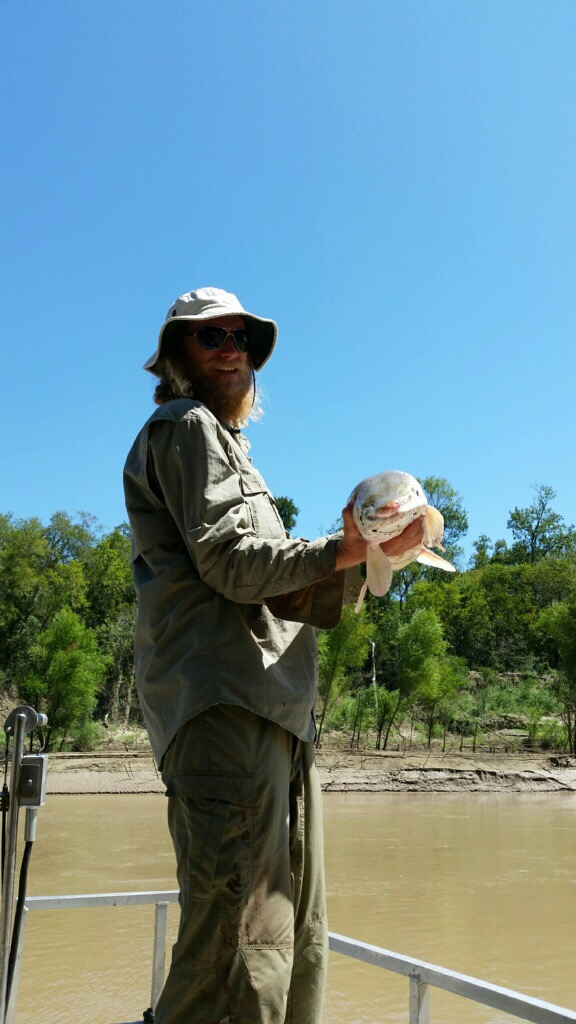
(392, 181)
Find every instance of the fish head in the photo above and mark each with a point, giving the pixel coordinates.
(385, 504)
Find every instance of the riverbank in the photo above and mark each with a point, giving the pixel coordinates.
(341, 771)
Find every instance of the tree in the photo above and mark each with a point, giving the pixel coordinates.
(446, 499)
(559, 623)
(108, 573)
(24, 559)
(116, 639)
(288, 512)
(340, 652)
(421, 650)
(68, 540)
(482, 552)
(538, 531)
(66, 670)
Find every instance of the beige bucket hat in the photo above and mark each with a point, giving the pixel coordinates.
(207, 304)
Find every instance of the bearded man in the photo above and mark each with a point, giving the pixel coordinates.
(226, 675)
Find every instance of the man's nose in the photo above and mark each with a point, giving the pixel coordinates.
(229, 347)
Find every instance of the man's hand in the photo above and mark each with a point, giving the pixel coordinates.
(409, 539)
(351, 549)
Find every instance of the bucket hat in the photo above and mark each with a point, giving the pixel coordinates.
(207, 304)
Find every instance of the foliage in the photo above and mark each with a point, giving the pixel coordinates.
(446, 499)
(341, 652)
(461, 656)
(48, 574)
(442, 496)
(288, 512)
(66, 669)
(538, 531)
(558, 622)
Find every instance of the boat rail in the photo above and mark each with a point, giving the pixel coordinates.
(422, 976)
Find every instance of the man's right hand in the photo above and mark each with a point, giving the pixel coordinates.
(351, 549)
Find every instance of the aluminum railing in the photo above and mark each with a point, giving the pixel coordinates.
(422, 976)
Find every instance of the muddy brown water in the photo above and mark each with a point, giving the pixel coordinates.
(482, 884)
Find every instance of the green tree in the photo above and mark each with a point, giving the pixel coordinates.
(38, 576)
(449, 502)
(392, 706)
(421, 653)
(66, 670)
(116, 640)
(289, 512)
(558, 622)
(24, 559)
(109, 583)
(341, 651)
(482, 552)
(415, 652)
(68, 540)
(538, 531)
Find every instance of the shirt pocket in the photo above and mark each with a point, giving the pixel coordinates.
(219, 819)
(266, 519)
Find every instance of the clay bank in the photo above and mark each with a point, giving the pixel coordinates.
(341, 771)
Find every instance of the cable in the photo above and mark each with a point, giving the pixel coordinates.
(19, 914)
(5, 800)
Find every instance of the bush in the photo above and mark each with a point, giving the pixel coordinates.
(341, 714)
(552, 736)
(87, 736)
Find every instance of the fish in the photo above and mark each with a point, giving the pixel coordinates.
(382, 507)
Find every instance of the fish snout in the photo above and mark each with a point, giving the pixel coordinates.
(389, 508)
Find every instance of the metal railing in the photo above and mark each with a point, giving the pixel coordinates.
(421, 976)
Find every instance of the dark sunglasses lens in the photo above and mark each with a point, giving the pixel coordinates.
(211, 337)
(242, 340)
(214, 337)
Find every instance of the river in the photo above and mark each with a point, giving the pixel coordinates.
(482, 884)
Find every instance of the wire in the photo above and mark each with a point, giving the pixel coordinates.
(19, 914)
(5, 803)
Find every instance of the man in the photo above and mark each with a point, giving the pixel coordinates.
(226, 675)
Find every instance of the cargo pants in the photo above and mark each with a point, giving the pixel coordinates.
(246, 821)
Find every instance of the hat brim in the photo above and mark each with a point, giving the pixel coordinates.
(264, 333)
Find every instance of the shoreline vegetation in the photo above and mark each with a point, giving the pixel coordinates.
(413, 770)
(481, 662)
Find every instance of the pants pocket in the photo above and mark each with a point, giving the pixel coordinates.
(213, 832)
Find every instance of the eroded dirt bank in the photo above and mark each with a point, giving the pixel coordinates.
(341, 772)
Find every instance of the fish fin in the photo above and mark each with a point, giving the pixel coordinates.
(378, 571)
(361, 597)
(433, 526)
(431, 558)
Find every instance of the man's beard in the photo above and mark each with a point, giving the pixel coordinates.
(231, 403)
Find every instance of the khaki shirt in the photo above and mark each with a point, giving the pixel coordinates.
(226, 599)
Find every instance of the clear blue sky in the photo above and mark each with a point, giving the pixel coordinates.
(393, 181)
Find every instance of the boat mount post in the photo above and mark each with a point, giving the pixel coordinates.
(28, 774)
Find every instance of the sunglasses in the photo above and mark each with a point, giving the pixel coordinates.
(214, 337)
